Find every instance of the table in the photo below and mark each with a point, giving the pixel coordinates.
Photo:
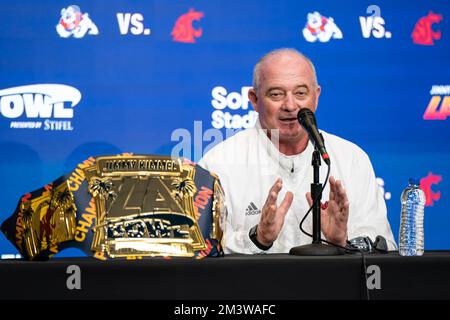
(233, 277)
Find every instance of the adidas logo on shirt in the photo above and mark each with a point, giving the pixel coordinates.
(252, 210)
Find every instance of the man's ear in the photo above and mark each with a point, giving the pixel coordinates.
(253, 98)
(316, 103)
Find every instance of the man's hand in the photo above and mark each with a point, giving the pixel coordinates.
(334, 218)
(272, 217)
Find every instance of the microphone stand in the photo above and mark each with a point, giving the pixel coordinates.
(316, 248)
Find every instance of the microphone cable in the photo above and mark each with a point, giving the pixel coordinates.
(355, 250)
(316, 200)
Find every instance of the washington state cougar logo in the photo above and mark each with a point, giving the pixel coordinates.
(320, 28)
(423, 33)
(74, 23)
(425, 185)
(183, 31)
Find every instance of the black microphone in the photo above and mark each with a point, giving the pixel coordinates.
(307, 120)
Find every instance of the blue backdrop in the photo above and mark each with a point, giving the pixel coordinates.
(136, 71)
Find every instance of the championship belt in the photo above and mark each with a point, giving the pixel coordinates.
(123, 206)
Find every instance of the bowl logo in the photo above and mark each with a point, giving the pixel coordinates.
(39, 106)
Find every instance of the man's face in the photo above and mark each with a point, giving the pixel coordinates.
(286, 85)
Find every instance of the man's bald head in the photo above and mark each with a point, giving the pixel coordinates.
(278, 54)
(284, 83)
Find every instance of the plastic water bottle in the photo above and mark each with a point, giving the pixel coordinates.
(411, 224)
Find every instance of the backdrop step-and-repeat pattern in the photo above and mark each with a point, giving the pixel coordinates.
(99, 77)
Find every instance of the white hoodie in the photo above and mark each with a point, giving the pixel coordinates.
(248, 164)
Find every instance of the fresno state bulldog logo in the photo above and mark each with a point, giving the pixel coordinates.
(320, 28)
(423, 33)
(183, 31)
(74, 23)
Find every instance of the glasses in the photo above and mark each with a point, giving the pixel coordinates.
(366, 245)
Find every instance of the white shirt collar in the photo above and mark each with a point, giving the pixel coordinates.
(287, 163)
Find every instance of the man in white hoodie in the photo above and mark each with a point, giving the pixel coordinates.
(266, 171)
